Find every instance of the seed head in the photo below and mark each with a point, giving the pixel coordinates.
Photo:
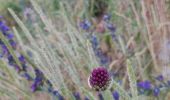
(99, 79)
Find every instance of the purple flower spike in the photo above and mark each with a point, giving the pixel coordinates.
(10, 36)
(159, 78)
(144, 85)
(99, 79)
(58, 95)
(156, 91)
(100, 96)
(115, 95)
(77, 96)
(111, 27)
(85, 25)
(106, 17)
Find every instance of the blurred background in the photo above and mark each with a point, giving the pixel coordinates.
(66, 39)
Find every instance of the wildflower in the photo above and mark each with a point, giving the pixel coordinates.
(77, 96)
(10, 60)
(144, 85)
(168, 82)
(85, 25)
(111, 27)
(156, 91)
(160, 78)
(99, 79)
(103, 58)
(3, 50)
(56, 93)
(27, 76)
(13, 44)
(100, 96)
(22, 59)
(115, 95)
(106, 17)
(38, 81)
(10, 36)
(94, 42)
(86, 98)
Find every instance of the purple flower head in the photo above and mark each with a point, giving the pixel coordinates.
(99, 79)
(156, 91)
(144, 85)
(159, 78)
(115, 95)
(85, 25)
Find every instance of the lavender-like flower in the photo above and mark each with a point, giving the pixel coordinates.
(77, 96)
(99, 79)
(106, 17)
(115, 95)
(156, 91)
(146, 85)
(159, 78)
(58, 95)
(103, 58)
(100, 96)
(85, 24)
(39, 80)
(86, 98)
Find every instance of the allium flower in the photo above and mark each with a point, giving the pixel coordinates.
(115, 95)
(99, 79)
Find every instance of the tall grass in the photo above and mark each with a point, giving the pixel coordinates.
(62, 51)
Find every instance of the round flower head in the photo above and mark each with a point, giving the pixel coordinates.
(99, 79)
